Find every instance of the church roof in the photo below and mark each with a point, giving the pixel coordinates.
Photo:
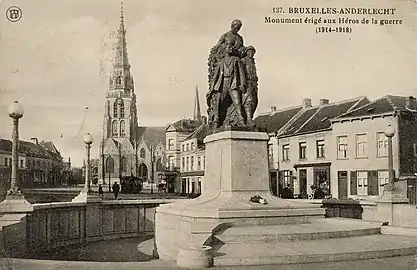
(152, 135)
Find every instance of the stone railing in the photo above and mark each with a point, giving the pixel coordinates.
(53, 225)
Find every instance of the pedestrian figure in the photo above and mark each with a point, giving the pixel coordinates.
(287, 193)
(100, 190)
(116, 189)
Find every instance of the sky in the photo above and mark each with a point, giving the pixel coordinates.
(56, 60)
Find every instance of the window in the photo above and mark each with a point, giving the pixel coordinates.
(204, 163)
(124, 164)
(171, 162)
(342, 147)
(382, 144)
(362, 183)
(302, 148)
(415, 149)
(199, 163)
(109, 165)
(115, 110)
(5, 161)
(142, 153)
(170, 144)
(122, 128)
(192, 164)
(21, 163)
(187, 164)
(271, 153)
(114, 128)
(183, 147)
(361, 146)
(122, 109)
(183, 163)
(192, 146)
(383, 177)
(287, 179)
(320, 149)
(286, 152)
(188, 147)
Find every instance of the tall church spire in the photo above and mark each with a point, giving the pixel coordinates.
(121, 49)
(197, 112)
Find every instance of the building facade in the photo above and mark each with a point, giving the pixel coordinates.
(360, 164)
(40, 164)
(175, 135)
(193, 161)
(127, 149)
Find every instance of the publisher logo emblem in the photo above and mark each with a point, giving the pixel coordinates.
(13, 14)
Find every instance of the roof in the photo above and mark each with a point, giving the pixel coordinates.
(276, 120)
(152, 135)
(200, 133)
(185, 125)
(45, 150)
(386, 104)
(318, 117)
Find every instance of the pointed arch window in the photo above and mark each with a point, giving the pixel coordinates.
(109, 165)
(114, 128)
(142, 153)
(123, 164)
(122, 128)
(115, 110)
(122, 109)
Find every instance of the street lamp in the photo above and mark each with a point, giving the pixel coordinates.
(88, 140)
(15, 112)
(390, 132)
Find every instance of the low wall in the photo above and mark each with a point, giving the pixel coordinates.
(53, 225)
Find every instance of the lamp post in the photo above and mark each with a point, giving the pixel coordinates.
(390, 132)
(88, 140)
(15, 201)
(15, 112)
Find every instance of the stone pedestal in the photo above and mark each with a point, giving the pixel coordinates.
(390, 205)
(14, 204)
(236, 170)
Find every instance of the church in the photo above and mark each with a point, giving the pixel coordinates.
(127, 149)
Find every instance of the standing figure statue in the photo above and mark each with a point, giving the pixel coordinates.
(250, 97)
(229, 82)
(232, 96)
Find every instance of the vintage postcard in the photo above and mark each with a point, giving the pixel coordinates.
(193, 134)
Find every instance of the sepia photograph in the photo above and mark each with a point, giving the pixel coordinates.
(233, 134)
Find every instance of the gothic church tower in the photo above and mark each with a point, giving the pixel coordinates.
(120, 126)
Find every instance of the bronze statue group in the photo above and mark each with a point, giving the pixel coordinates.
(233, 82)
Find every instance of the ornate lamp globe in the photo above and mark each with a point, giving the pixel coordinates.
(16, 110)
(390, 131)
(88, 139)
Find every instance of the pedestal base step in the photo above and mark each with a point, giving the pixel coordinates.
(316, 230)
(351, 248)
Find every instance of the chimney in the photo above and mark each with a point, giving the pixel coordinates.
(324, 101)
(273, 108)
(306, 103)
(411, 103)
(34, 140)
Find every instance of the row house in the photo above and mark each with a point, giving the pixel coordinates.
(360, 163)
(304, 147)
(275, 122)
(175, 134)
(193, 161)
(40, 164)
